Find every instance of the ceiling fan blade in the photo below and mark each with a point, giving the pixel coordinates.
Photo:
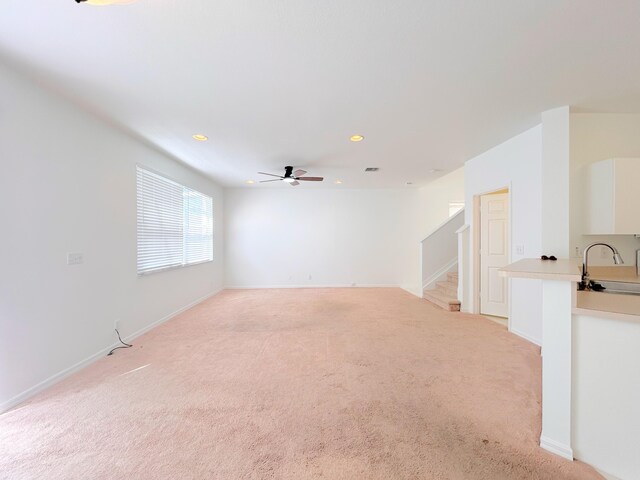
(270, 174)
(293, 184)
(274, 180)
(299, 173)
(311, 179)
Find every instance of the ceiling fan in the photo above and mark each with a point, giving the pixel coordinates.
(291, 177)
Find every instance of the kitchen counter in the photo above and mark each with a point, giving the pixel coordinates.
(614, 274)
(606, 305)
(589, 345)
(561, 270)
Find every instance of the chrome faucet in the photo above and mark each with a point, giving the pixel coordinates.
(617, 260)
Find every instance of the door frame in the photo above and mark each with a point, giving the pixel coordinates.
(475, 247)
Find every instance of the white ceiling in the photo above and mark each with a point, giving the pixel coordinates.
(430, 83)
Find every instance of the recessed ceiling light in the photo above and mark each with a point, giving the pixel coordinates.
(435, 170)
(356, 138)
(338, 182)
(409, 183)
(249, 182)
(371, 169)
(201, 138)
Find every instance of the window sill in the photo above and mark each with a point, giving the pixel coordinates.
(172, 267)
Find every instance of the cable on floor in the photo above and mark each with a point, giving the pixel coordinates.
(125, 345)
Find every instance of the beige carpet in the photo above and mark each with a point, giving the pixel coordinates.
(296, 384)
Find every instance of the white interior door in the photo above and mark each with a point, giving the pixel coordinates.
(494, 253)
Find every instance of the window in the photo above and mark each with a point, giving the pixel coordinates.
(175, 224)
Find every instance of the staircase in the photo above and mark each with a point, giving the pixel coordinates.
(445, 295)
(439, 257)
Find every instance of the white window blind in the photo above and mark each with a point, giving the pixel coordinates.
(175, 224)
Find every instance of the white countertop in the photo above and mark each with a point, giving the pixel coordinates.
(614, 274)
(608, 305)
(586, 303)
(561, 269)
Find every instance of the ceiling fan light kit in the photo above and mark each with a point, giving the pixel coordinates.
(291, 177)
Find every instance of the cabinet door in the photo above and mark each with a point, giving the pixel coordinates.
(627, 196)
(600, 193)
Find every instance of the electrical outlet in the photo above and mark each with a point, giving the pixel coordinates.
(75, 258)
(603, 252)
(116, 324)
(519, 249)
(577, 252)
(310, 277)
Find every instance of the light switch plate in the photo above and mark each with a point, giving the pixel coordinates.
(75, 258)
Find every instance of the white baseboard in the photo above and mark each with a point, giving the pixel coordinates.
(412, 290)
(528, 338)
(336, 285)
(166, 318)
(606, 475)
(30, 392)
(558, 448)
(21, 397)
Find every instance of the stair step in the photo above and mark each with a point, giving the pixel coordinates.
(452, 277)
(448, 288)
(441, 300)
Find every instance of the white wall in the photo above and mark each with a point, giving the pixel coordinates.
(302, 237)
(434, 200)
(515, 164)
(336, 236)
(606, 394)
(595, 137)
(555, 182)
(68, 184)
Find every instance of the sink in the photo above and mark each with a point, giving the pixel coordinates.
(619, 288)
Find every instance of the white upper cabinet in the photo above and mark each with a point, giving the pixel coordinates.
(613, 197)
